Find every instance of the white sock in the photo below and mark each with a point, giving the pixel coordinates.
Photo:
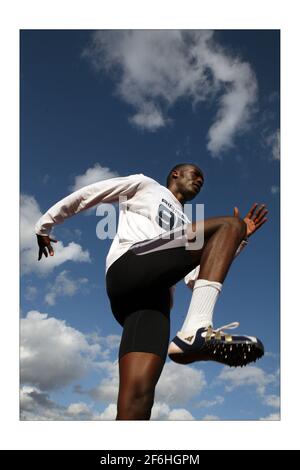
(201, 309)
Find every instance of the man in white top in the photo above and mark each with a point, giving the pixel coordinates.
(155, 247)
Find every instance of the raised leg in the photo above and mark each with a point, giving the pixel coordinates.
(197, 340)
(222, 236)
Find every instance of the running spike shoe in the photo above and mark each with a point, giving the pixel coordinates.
(209, 344)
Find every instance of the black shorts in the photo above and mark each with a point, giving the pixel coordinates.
(138, 286)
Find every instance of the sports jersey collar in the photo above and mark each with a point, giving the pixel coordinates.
(172, 195)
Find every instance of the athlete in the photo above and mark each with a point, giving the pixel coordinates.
(156, 246)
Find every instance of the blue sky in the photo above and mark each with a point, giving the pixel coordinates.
(140, 103)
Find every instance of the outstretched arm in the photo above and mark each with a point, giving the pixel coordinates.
(103, 191)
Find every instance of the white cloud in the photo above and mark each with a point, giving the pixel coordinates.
(53, 354)
(162, 412)
(180, 415)
(110, 413)
(92, 175)
(271, 417)
(107, 390)
(157, 68)
(272, 400)
(30, 293)
(79, 410)
(210, 418)
(112, 341)
(274, 189)
(37, 405)
(209, 403)
(273, 141)
(29, 215)
(64, 285)
(248, 376)
(108, 343)
(178, 384)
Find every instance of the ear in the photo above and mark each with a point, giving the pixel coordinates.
(175, 174)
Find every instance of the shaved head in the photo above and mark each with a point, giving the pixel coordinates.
(182, 166)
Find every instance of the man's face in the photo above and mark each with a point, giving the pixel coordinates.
(189, 181)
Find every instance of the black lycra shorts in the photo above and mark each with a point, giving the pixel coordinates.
(138, 286)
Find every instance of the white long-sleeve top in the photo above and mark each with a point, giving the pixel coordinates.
(150, 210)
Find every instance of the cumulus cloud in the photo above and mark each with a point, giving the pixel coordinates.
(107, 390)
(162, 412)
(79, 410)
(36, 405)
(92, 175)
(112, 341)
(110, 413)
(209, 403)
(29, 215)
(271, 417)
(272, 400)
(179, 384)
(64, 285)
(53, 354)
(155, 69)
(210, 418)
(248, 376)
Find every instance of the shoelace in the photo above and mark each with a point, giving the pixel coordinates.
(217, 332)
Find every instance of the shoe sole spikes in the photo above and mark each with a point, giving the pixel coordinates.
(233, 355)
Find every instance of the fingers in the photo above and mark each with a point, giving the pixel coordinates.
(50, 249)
(42, 252)
(257, 214)
(260, 223)
(260, 214)
(251, 212)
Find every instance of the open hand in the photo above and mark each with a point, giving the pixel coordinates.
(254, 219)
(44, 243)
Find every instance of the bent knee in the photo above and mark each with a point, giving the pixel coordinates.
(136, 405)
(238, 224)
